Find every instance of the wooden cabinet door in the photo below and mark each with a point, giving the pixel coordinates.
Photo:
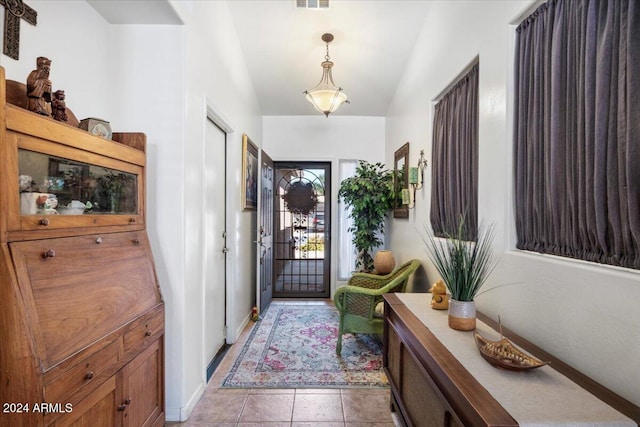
(96, 410)
(141, 401)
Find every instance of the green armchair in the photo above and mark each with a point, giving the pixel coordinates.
(357, 301)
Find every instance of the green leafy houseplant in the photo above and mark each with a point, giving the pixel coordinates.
(463, 265)
(370, 195)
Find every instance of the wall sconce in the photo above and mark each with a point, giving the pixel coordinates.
(416, 177)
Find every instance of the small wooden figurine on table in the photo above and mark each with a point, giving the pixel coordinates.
(39, 87)
(439, 300)
(59, 107)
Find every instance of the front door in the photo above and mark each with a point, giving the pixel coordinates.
(302, 228)
(265, 233)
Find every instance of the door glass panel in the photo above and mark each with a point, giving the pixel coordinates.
(301, 227)
(51, 185)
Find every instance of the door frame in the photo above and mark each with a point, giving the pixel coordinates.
(211, 114)
(329, 167)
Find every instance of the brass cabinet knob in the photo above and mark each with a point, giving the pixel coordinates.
(132, 220)
(44, 221)
(89, 375)
(148, 333)
(122, 407)
(136, 241)
(98, 240)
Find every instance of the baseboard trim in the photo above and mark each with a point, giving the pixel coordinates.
(182, 414)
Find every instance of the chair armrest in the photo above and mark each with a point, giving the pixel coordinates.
(366, 280)
(337, 298)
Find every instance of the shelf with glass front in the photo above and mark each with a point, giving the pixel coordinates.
(65, 178)
(68, 187)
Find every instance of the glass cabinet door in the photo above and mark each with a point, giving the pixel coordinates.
(51, 185)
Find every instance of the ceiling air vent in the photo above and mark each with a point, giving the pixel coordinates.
(313, 4)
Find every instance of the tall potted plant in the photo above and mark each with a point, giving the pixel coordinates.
(370, 194)
(464, 267)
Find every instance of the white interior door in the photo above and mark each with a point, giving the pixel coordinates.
(215, 242)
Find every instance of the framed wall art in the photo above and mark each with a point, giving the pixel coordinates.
(249, 174)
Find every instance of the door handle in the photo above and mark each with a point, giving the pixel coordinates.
(225, 250)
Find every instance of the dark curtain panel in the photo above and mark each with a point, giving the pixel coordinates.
(577, 131)
(454, 192)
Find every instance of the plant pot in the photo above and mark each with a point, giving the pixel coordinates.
(384, 262)
(462, 315)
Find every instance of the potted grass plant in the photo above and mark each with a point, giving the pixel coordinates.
(464, 266)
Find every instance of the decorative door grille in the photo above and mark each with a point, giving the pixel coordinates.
(301, 230)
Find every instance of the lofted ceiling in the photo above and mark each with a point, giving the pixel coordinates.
(283, 49)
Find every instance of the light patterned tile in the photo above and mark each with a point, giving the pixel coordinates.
(318, 391)
(218, 408)
(318, 424)
(271, 390)
(317, 407)
(366, 407)
(268, 407)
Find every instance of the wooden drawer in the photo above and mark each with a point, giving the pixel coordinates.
(93, 370)
(96, 410)
(80, 289)
(145, 330)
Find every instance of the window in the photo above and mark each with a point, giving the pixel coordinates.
(454, 194)
(346, 251)
(577, 131)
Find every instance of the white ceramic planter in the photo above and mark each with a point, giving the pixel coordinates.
(462, 315)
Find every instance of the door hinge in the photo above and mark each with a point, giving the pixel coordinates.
(224, 332)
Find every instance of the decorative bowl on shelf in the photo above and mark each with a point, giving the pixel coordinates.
(65, 210)
(504, 354)
(76, 207)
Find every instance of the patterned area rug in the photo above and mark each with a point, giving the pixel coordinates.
(294, 346)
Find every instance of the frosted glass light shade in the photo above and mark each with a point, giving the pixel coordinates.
(326, 100)
(326, 97)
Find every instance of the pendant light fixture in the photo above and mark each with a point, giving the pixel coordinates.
(326, 97)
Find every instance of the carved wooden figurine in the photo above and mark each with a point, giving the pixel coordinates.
(439, 300)
(39, 87)
(59, 107)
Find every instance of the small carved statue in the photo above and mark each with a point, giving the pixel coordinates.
(58, 106)
(439, 300)
(39, 87)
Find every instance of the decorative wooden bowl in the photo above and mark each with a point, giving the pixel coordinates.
(504, 354)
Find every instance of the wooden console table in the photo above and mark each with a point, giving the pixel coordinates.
(438, 378)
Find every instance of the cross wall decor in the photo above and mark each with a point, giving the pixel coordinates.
(14, 10)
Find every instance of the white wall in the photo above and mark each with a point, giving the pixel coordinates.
(160, 79)
(79, 65)
(149, 98)
(583, 313)
(214, 76)
(318, 138)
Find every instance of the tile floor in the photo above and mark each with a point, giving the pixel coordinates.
(359, 407)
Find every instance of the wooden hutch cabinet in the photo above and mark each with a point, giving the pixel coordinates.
(81, 313)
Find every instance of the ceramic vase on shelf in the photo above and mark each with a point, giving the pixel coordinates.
(462, 315)
(384, 262)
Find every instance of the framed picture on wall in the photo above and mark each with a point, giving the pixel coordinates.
(249, 174)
